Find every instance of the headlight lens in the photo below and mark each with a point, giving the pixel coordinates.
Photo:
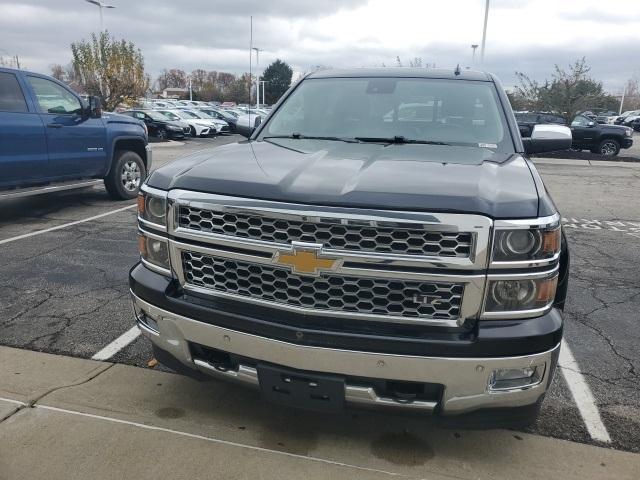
(154, 251)
(526, 244)
(513, 295)
(152, 208)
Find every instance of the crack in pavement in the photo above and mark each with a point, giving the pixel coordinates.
(99, 370)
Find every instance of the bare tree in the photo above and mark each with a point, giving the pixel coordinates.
(110, 69)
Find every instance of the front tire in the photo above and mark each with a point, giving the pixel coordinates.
(192, 129)
(126, 176)
(608, 148)
(162, 134)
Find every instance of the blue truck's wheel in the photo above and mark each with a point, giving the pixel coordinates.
(126, 176)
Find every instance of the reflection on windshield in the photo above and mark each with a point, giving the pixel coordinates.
(414, 109)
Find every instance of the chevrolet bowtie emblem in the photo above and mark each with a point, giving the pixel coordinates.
(306, 259)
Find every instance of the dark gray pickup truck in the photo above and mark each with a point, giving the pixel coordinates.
(381, 239)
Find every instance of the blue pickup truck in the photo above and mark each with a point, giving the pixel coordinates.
(51, 139)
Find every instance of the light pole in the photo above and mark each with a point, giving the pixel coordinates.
(263, 94)
(100, 5)
(258, 50)
(484, 31)
(473, 55)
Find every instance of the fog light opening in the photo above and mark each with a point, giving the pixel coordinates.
(147, 321)
(503, 379)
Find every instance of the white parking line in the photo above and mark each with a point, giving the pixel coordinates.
(64, 225)
(582, 395)
(118, 344)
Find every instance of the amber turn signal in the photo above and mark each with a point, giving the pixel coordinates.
(551, 241)
(140, 204)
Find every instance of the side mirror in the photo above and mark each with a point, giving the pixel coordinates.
(95, 107)
(590, 124)
(548, 138)
(247, 124)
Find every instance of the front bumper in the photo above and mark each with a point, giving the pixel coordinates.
(465, 380)
(627, 142)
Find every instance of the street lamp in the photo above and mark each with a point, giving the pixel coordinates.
(100, 5)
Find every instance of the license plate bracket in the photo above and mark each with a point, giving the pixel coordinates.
(301, 389)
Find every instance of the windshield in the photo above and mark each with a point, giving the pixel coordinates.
(188, 114)
(170, 115)
(433, 110)
(155, 115)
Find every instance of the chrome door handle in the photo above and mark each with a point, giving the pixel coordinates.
(54, 125)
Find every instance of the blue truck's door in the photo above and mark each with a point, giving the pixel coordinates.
(76, 143)
(23, 146)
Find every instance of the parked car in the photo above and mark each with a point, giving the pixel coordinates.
(527, 120)
(623, 117)
(603, 139)
(606, 118)
(216, 126)
(635, 124)
(221, 115)
(629, 119)
(159, 125)
(51, 139)
(197, 127)
(335, 259)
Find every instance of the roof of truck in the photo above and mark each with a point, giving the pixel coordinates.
(403, 72)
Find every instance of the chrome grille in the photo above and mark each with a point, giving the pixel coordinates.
(339, 293)
(403, 239)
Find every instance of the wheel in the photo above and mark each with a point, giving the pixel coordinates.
(608, 147)
(192, 129)
(162, 134)
(636, 127)
(126, 176)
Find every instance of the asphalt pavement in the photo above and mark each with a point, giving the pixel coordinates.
(64, 287)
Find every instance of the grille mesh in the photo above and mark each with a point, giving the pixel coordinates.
(329, 292)
(400, 240)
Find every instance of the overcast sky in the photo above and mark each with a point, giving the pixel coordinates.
(523, 35)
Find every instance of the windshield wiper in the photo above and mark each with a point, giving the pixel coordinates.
(398, 139)
(299, 136)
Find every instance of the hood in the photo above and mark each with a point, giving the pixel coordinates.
(111, 117)
(392, 177)
(620, 129)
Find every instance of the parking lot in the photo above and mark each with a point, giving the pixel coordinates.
(65, 259)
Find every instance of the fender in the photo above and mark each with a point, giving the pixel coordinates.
(132, 138)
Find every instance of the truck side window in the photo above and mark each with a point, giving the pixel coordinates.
(11, 97)
(53, 98)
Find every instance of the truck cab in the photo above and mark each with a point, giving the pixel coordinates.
(51, 139)
(380, 240)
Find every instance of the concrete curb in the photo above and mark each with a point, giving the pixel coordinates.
(585, 163)
(146, 422)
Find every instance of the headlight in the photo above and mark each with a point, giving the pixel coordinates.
(629, 132)
(528, 243)
(515, 296)
(152, 206)
(154, 250)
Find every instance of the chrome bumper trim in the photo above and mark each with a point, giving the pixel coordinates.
(353, 393)
(465, 380)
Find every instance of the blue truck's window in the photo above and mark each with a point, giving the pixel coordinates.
(11, 97)
(53, 98)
